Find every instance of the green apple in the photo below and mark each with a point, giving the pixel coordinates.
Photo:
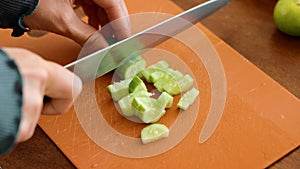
(287, 16)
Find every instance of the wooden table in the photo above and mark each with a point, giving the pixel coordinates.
(248, 27)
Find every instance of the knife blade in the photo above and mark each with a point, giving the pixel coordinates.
(105, 60)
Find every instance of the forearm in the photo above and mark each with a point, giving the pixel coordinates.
(10, 102)
(12, 13)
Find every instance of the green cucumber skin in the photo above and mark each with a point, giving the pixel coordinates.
(131, 67)
(148, 72)
(158, 66)
(137, 85)
(126, 106)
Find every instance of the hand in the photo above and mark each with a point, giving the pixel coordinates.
(41, 77)
(58, 16)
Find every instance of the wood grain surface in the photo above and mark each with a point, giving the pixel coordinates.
(247, 26)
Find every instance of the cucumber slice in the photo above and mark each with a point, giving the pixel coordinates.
(176, 75)
(148, 109)
(188, 98)
(125, 103)
(167, 84)
(137, 85)
(126, 107)
(131, 67)
(154, 76)
(144, 104)
(159, 85)
(160, 65)
(165, 100)
(119, 89)
(185, 82)
(154, 132)
(147, 73)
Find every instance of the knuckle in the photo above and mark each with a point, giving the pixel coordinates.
(42, 75)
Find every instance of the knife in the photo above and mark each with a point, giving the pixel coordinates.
(94, 65)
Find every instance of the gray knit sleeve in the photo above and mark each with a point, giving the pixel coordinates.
(10, 102)
(12, 13)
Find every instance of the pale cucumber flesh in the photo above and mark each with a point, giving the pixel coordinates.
(165, 100)
(154, 132)
(119, 89)
(188, 99)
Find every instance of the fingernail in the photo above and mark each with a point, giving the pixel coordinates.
(77, 87)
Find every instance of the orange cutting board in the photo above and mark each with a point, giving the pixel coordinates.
(260, 122)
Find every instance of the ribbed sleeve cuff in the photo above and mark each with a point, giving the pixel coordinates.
(10, 102)
(12, 13)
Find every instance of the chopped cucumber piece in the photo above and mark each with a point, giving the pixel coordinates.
(148, 109)
(167, 84)
(172, 86)
(137, 85)
(158, 115)
(188, 98)
(125, 103)
(143, 104)
(185, 83)
(154, 76)
(131, 67)
(160, 65)
(165, 100)
(176, 75)
(159, 85)
(119, 89)
(126, 107)
(148, 72)
(154, 132)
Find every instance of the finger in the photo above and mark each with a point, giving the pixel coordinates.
(106, 28)
(63, 88)
(91, 12)
(117, 12)
(32, 105)
(93, 20)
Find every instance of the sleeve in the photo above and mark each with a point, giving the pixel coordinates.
(10, 102)
(12, 13)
